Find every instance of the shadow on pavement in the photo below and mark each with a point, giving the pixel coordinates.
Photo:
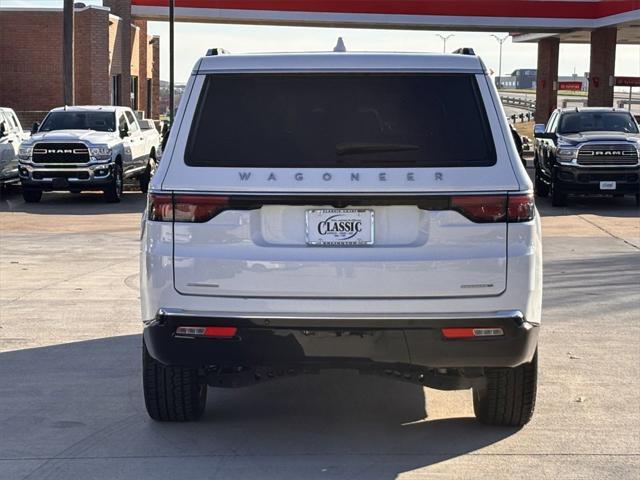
(76, 411)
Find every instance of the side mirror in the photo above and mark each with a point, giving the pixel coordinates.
(3, 129)
(35, 127)
(124, 132)
(538, 129)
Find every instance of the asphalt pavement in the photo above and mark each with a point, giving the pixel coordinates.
(70, 388)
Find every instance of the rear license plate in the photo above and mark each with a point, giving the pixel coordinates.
(339, 227)
(607, 185)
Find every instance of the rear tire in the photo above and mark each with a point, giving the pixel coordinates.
(508, 397)
(113, 192)
(541, 188)
(172, 394)
(31, 195)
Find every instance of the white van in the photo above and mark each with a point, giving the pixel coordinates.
(341, 210)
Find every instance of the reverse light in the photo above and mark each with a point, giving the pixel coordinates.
(472, 332)
(211, 332)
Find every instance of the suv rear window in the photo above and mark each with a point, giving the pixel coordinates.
(340, 120)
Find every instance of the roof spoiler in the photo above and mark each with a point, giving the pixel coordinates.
(216, 51)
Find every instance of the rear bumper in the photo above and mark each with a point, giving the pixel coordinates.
(414, 342)
(581, 180)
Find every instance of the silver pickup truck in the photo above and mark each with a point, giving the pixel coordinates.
(87, 148)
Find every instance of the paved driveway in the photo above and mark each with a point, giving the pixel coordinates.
(71, 402)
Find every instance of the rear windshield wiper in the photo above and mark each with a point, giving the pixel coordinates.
(355, 148)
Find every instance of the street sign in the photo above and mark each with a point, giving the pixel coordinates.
(570, 86)
(627, 82)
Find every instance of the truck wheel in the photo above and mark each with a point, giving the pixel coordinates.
(31, 195)
(113, 192)
(145, 178)
(172, 394)
(541, 188)
(508, 397)
(558, 197)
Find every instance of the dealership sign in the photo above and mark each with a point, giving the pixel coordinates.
(545, 15)
(627, 82)
(570, 86)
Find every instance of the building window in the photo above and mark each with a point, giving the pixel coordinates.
(115, 89)
(149, 96)
(134, 92)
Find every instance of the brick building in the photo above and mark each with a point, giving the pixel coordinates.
(105, 71)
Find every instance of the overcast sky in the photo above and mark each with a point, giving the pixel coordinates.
(193, 39)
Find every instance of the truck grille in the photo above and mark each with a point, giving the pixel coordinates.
(60, 153)
(608, 154)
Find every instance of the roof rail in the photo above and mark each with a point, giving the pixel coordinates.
(464, 51)
(216, 51)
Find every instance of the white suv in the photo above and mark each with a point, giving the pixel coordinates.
(341, 210)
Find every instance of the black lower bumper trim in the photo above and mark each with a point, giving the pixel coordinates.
(306, 344)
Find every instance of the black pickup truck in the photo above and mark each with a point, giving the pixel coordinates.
(587, 151)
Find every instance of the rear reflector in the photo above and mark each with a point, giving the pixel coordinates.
(471, 332)
(214, 332)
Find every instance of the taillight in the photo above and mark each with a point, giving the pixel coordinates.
(466, 332)
(160, 207)
(211, 332)
(185, 208)
(495, 208)
(198, 208)
(481, 208)
(521, 208)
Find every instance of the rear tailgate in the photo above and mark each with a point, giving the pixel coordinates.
(258, 167)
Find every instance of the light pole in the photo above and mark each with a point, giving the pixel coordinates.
(500, 41)
(172, 19)
(444, 41)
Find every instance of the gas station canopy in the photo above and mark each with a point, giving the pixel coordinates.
(572, 19)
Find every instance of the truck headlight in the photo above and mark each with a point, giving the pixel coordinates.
(566, 154)
(101, 152)
(25, 153)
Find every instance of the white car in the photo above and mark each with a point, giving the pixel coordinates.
(89, 147)
(341, 210)
(11, 135)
